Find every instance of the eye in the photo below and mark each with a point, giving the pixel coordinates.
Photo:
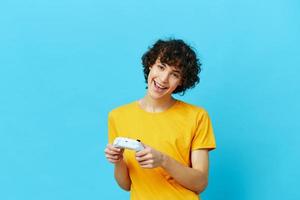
(175, 75)
(161, 67)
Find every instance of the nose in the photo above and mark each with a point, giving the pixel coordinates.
(164, 77)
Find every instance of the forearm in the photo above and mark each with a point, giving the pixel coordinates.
(122, 175)
(192, 179)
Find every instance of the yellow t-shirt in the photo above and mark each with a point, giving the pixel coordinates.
(176, 132)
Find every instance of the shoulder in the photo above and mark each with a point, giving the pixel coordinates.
(122, 110)
(192, 109)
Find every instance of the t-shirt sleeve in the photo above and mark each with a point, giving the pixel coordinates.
(204, 136)
(112, 130)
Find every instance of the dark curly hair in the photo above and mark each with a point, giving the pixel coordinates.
(177, 53)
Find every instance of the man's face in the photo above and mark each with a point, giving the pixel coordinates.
(163, 80)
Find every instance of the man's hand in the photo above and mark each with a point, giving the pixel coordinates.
(113, 154)
(149, 157)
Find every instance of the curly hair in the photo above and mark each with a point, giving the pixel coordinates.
(177, 53)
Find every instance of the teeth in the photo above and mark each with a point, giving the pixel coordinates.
(160, 86)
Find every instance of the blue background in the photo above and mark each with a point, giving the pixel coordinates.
(64, 64)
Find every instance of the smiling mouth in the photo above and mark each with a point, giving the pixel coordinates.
(158, 86)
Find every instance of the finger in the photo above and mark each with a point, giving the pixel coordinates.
(142, 152)
(146, 162)
(143, 158)
(112, 152)
(112, 157)
(112, 148)
(107, 151)
(113, 161)
(144, 145)
(147, 166)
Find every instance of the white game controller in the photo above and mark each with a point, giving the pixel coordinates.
(121, 142)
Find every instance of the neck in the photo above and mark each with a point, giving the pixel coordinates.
(156, 105)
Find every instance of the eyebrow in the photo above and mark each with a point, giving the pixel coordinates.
(176, 71)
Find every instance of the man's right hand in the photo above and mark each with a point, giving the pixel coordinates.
(113, 154)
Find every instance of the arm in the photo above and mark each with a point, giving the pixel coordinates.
(194, 178)
(115, 156)
(122, 175)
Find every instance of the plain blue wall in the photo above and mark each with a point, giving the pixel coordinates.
(64, 64)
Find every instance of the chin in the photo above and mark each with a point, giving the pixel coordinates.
(156, 96)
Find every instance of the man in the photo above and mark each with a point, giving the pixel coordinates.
(177, 136)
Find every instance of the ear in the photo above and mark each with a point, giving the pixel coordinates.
(180, 83)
